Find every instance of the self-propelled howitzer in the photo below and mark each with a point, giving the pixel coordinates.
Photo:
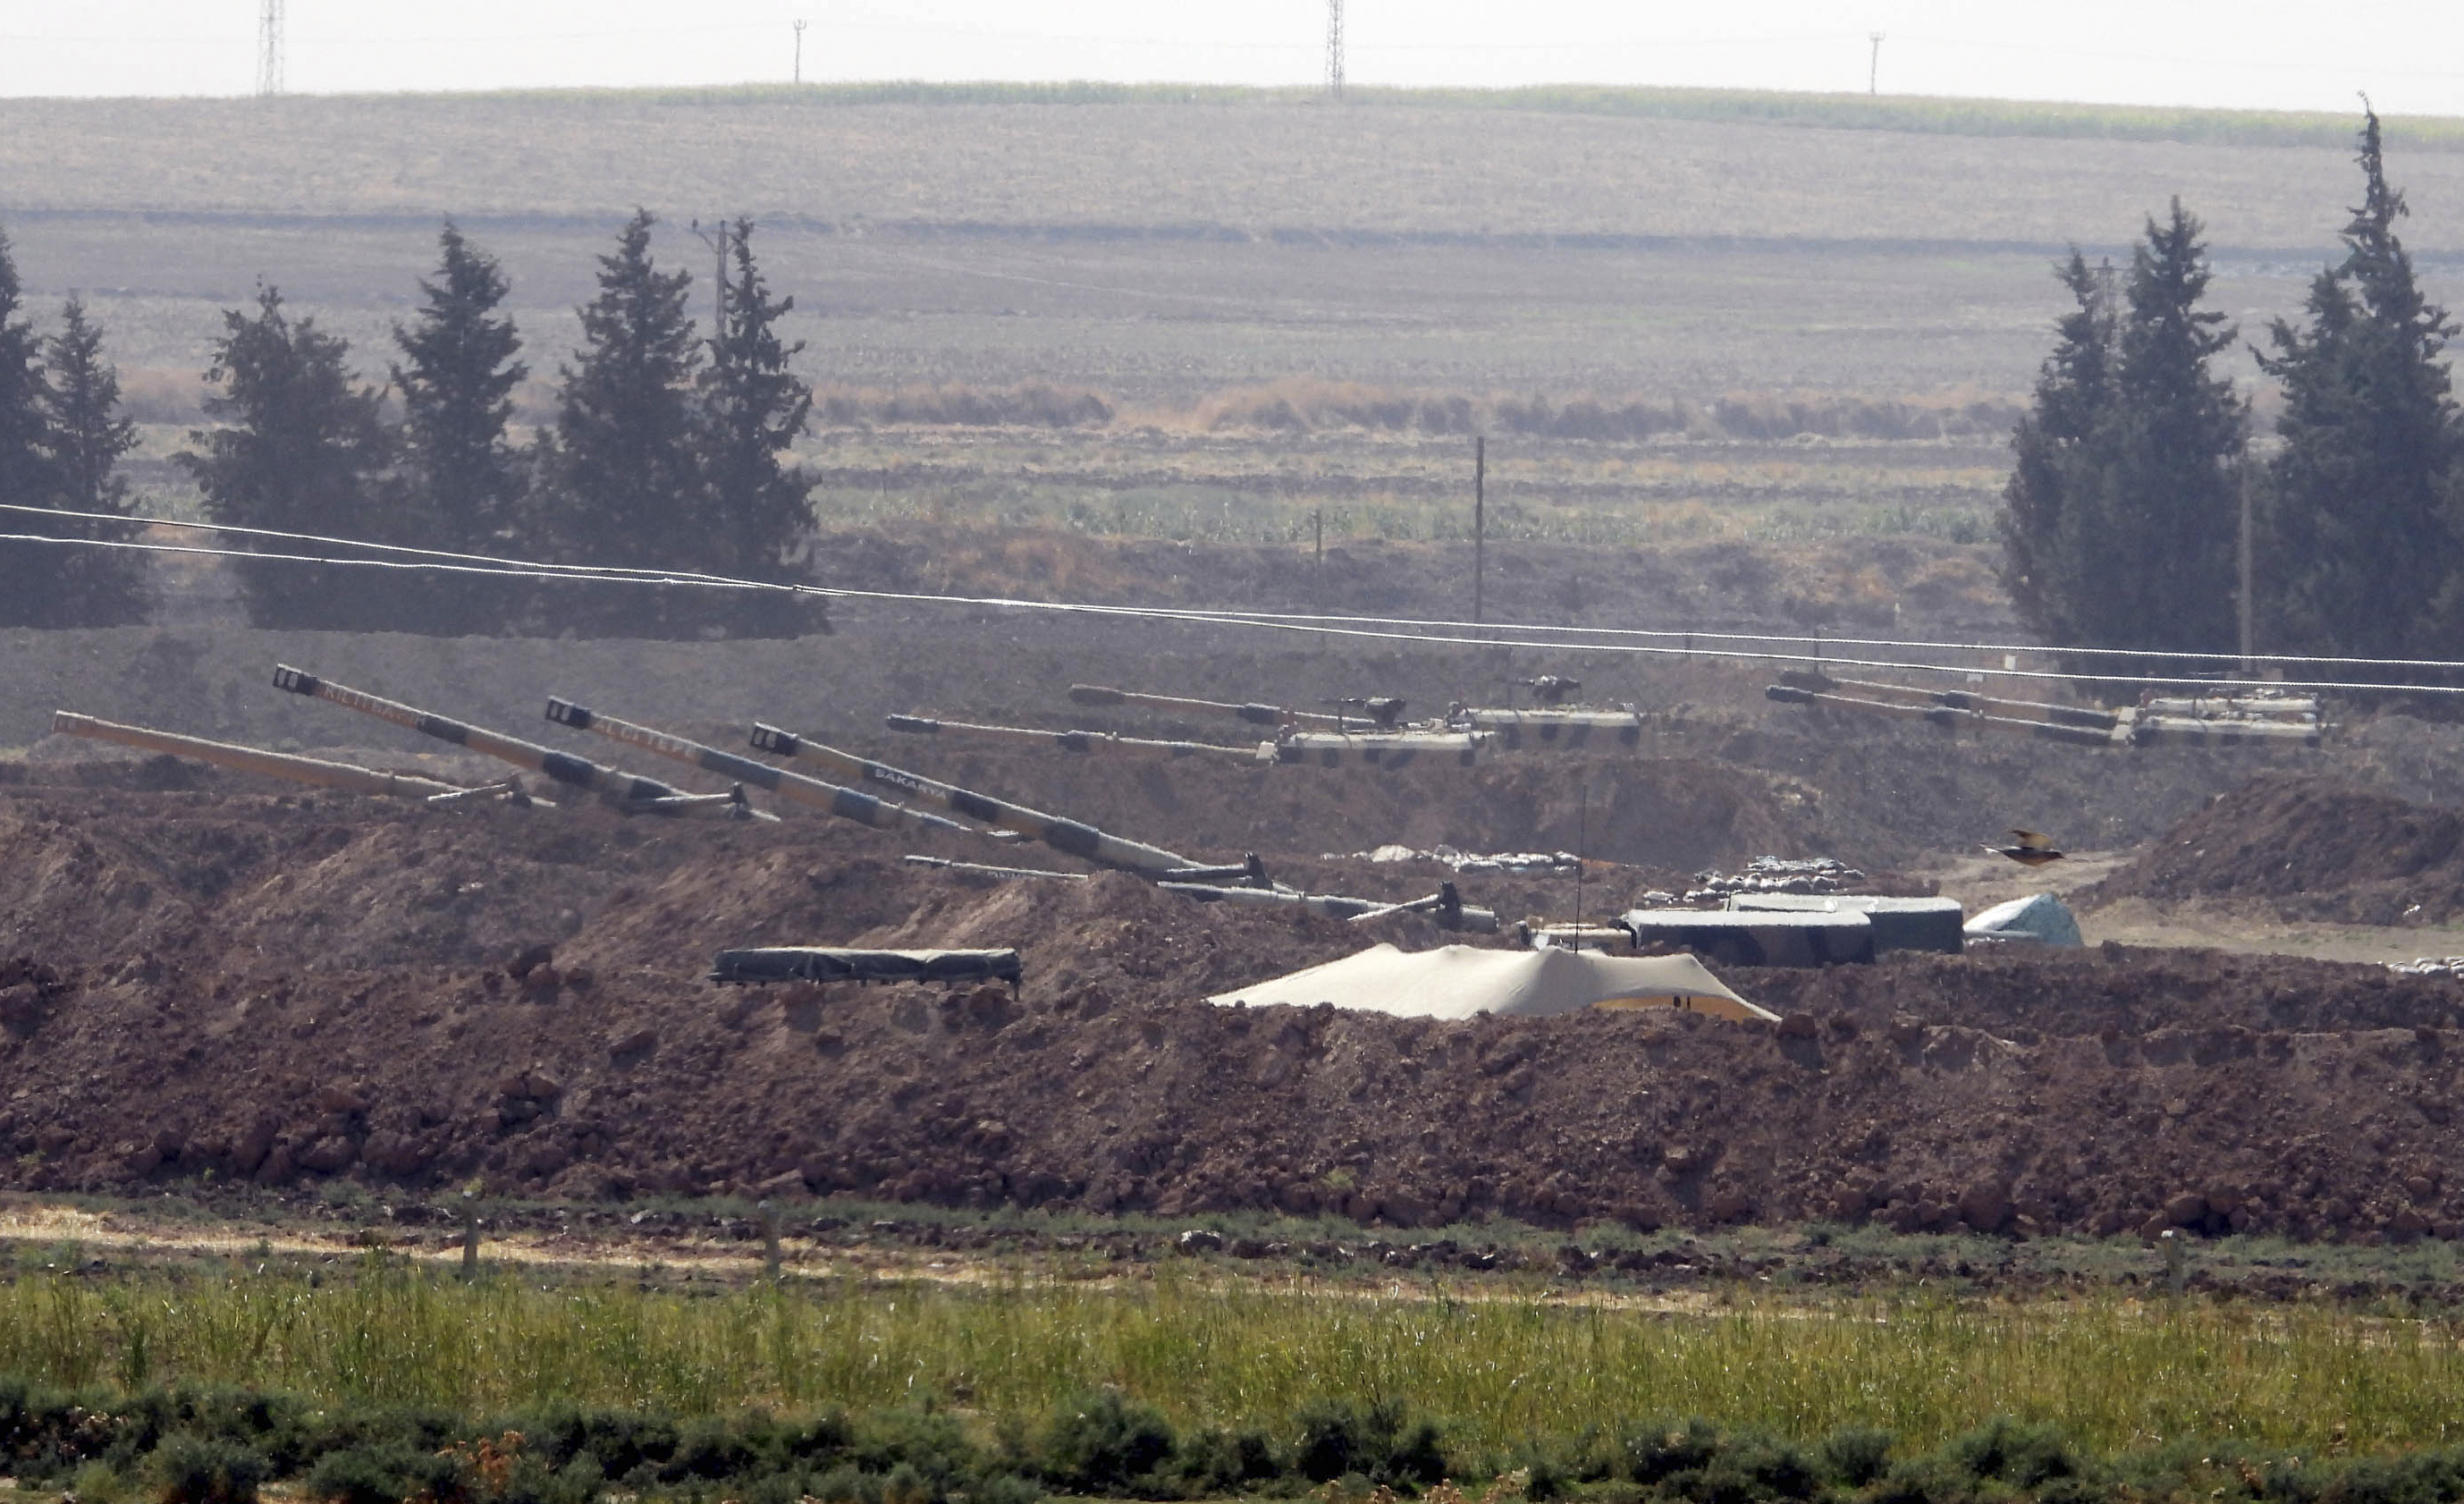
(813, 793)
(1081, 841)
(1078, 742)
(627, 791)
(317, 773)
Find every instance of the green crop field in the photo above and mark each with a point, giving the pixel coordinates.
(1170, 1382)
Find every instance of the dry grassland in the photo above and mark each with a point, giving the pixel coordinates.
(1235, 278)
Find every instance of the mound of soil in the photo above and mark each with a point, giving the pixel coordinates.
(283, 989)
(2310, 848)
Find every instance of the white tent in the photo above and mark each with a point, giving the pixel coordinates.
(1455, 981)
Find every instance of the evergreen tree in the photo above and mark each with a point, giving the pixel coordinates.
(2160, 544)
(456, 384)
(623, 458)
(2358, 542)
(2120, 519)
(303, 449)
(85, 436)
(25, 470)
(753, 408)
(2054, 459)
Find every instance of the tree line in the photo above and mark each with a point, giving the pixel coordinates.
(2121, 521)
(669, 452)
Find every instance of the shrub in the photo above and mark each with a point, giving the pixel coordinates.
(2004, 1449)
(197, 1470)
(847, 1485)
(1855, 1456)
(1103, 1444)
(1748, 1473)
(385, 1473)
(1656, 1451)
(1379, 1442)
(1216, 1461)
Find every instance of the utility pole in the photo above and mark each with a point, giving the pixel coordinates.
(2249, 664)
(719, 287)
(800, 48)
(1874, 64)
(1335, 49)
(269, 49)
(1317, 571)
(1479, 520)
(1582, 838)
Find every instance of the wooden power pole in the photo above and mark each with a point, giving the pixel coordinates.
(1479, 521)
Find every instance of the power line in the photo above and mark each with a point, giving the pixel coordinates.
(1691, 639)
(1374, 628)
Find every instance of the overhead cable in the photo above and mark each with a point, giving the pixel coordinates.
(1366, 627)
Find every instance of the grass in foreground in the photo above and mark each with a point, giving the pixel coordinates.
(1496, 1371)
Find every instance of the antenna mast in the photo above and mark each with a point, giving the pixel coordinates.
(269, 49)
(1334, 49)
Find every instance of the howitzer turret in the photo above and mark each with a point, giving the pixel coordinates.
(1081, 841)
(627, 791)
(289, 766)
(813, 793)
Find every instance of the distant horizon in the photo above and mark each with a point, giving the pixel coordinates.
(1296, 93)
(2264, 55)
(1954, 114)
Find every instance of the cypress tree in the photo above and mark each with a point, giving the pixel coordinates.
(2050, 448)
(2120, 519)
(2357, 543)
(623, 458)
(302, 448)
(2162, 546)
(26, 475)
(456, 380)
(754, 409)
(85, 436)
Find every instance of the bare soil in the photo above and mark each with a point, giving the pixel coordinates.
(2308, 849)
(219, 979)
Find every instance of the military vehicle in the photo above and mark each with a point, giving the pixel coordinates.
(840, 964)
(317, 773)
(812, 793)
(628, 792)
(1081, 841)
(1081, 742)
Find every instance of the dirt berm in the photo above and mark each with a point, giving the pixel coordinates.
(277, 988)
(2308, 848)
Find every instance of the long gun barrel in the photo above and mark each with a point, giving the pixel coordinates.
(2029, 710)
(1445, 907)
(1947, 716)
(1080, 741)
(625, 790)
(795, 787)
(1254, 714)
(1081, 841)
(316, 771)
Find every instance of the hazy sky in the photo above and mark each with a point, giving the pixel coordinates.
(2264, 53)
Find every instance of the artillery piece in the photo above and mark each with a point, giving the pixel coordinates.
(1445, 906)
(813, 793)
(628, 792)
(1077, 741)
(1246, 881)
(1081, 841)
(317, 773)
(1254, 714)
